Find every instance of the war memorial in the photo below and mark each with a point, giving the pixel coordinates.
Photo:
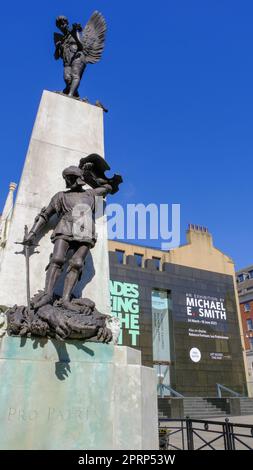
(106, 343)
(67, 384)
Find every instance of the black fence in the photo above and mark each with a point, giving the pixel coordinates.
(193, 434)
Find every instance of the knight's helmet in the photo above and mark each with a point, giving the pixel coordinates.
(76, 172)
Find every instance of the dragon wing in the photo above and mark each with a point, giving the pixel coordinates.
(93, 38)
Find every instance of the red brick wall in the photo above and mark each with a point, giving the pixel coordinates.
(246, 316)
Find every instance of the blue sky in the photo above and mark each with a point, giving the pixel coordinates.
(177, 77)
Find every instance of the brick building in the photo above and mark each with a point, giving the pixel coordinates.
(244, 279)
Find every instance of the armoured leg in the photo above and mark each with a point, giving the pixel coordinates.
(76, 264)
(53, 272)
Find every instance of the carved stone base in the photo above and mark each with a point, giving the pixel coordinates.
(78, 320)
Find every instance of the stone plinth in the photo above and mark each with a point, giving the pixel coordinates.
(56, 395)
(64, 131)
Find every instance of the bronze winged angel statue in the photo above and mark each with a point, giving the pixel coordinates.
(77, 47)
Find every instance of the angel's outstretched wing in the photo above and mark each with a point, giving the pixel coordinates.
(93, 38)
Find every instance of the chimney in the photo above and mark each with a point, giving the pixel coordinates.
(197, 233)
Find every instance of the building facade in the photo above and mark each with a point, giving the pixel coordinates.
(180, 308)
(244, 279)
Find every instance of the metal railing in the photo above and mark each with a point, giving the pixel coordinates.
(193, 434)
(161, 388)
(220, 387)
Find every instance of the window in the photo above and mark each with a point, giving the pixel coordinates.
(138, 258)
(251, 343)
(222, 346)
(250, 324)
(247, 307)
(251, 274)
(241, 277)
(157, 262)
(161, 336)
(120, 255)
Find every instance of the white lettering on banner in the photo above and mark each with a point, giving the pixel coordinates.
(207, 304)
(207, 320)
(189, 310)
(190, 302)
(205, 308)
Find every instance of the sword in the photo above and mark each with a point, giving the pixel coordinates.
(27, 263)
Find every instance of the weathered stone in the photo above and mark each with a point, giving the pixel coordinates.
(3, 323)
(72, 395)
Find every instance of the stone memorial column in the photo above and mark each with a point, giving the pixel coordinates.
(65, 130)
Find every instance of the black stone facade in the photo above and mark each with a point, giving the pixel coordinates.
(187, 377)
